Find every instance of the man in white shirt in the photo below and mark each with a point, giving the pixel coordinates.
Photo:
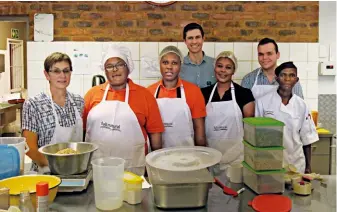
(262, 80)
(282, 104)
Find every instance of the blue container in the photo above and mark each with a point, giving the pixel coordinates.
(9, 162)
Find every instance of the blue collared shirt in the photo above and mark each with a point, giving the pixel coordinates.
(201, 74)
(262, 79)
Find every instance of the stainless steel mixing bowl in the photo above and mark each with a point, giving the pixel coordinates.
(71, 163)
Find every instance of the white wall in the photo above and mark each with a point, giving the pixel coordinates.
(327, 37)
(304, 55)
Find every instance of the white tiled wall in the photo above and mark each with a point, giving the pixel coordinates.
(304, 55)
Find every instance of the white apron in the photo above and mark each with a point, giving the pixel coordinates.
(64, 134)
(67, 134)
(224, 129)
(114, 127)
(261, 90)
(177, 119)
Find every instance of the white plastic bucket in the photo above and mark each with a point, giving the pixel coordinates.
(108, 182)
(20, 144)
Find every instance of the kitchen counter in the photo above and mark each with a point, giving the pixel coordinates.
(322, 199)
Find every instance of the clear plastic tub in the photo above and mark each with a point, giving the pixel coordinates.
(263, 182)
(132, 188)
(263, 159)
(108, 182)
(263, 131)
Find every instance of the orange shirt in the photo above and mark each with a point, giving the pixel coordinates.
(141, 102)
(194, 97)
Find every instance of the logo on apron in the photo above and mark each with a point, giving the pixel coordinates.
(168, 124)
(112, 127)
(268, 113)
(219, 128)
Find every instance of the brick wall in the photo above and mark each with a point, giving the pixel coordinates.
(140, 21)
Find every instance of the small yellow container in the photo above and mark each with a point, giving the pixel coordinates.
(132, 188)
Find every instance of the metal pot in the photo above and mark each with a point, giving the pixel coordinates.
(72, 163)
(190, 192)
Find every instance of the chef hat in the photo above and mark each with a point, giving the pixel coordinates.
(230, 55)
(119, 51)
(171, 49)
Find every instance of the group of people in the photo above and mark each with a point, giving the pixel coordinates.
(195, 102)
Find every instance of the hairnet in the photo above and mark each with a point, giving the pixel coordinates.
(283, 66)
(119, 51)
(230, 55)
(171, 49)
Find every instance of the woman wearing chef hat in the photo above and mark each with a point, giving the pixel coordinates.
(120, 114)
(181, 103)
(55, 116)
(227, 104)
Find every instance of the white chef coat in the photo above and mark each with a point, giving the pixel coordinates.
(299, 128)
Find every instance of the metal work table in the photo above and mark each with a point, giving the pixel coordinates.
(323, 200)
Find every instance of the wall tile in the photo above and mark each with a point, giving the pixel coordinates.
(72, 47)
(243, 51)
(243, 69)
(219, 47)
(208, 48)
(35, 69)
(135, 73)
(162, 45)
(134, 48)
(298, 52)
(36, 86)
(183, 48)
(33, 48)
(55, 47)
(312, 69)
(254, 51)
(149, 49)
(95, 51)
(76, 84)
(284, 49)
(312, 89)
(301, 70)
(87, 83)
(313, 52)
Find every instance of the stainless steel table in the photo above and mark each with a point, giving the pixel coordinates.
(321, 200)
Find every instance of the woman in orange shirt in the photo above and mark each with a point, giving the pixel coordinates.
(181, 104)
(119, 114)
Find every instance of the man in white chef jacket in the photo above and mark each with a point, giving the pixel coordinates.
(282, 104)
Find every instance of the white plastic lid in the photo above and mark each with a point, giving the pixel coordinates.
(183, 158)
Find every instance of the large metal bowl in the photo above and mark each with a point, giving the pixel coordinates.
(71, 163)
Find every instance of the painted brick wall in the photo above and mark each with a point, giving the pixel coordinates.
(140, 21)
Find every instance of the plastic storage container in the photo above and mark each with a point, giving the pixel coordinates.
(108, 182)
(263, 159)
(263, 182)
(132, 188)
(9, 162)
(263, 131)
(20, 144)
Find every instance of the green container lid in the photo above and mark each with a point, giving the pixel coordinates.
(263, 121)
(280, 171)
(262, 148)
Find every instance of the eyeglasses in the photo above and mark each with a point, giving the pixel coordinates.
(57, 71)
(118, 66)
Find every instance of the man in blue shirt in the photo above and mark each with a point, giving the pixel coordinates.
(197, 68)
(262, 80)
